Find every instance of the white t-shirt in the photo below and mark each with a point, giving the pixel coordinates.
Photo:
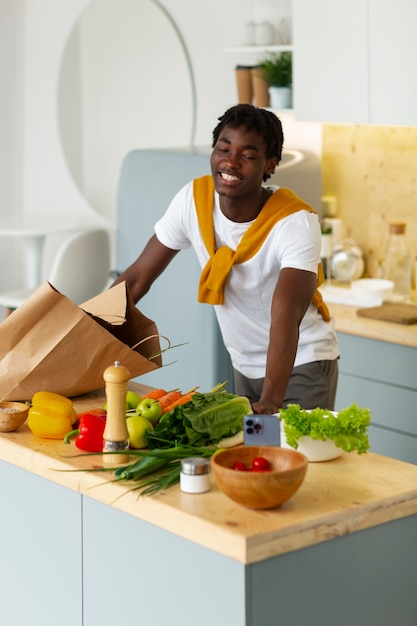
(245, 316)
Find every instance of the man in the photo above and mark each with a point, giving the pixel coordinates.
(259, 249)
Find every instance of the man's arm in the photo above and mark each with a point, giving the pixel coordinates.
(148, 266)
(292, 296)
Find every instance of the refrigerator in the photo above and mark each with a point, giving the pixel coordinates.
(148, 181)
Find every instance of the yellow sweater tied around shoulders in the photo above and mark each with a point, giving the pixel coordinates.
(280, 204)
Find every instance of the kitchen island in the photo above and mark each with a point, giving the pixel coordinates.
(79, 550)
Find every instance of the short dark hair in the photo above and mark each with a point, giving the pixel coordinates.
(264, 122)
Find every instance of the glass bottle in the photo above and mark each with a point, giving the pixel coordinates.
(326, 251)
(397, 262)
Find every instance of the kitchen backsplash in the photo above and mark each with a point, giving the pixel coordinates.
(372, 171)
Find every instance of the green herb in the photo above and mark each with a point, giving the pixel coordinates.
(158, 469)
(203, 421)
(152, 470)
(348, 430)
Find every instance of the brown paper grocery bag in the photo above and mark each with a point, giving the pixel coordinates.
(51, 344)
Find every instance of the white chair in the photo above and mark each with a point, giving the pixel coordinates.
(80, 269)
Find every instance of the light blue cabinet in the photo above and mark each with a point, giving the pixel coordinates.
(40, 551)
(138, 574)
(383, 377)
(148, 181)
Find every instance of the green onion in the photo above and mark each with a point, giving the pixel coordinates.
(154, 470)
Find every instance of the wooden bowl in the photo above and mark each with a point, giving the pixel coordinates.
(259, 490)
(12, 415)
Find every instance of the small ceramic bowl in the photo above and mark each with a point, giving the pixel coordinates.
(259, 490)
(12, 415)
(315, 450)
(372, 291)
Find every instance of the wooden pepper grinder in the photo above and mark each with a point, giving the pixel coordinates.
(116, 436)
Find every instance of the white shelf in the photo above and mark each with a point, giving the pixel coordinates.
(268, 48)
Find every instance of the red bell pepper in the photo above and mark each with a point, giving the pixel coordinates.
(89, 434)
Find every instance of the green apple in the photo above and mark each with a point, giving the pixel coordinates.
(151, 409)
(137, 426)
(132, 399)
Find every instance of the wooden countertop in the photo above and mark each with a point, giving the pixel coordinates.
(338, 497)
(347, 321)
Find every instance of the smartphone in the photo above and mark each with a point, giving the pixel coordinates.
(261, 430)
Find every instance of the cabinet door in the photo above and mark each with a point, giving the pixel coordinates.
(393, 430)
(137, 574)
(392, 54)
(381, 377)
(40, 551)
(331, 61)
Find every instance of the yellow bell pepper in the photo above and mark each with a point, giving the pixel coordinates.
(48, 397)
(51, 415)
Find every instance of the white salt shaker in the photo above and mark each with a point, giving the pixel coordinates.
(195, 475)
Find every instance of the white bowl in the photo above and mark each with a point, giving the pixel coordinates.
(372, 290)
(315, 450)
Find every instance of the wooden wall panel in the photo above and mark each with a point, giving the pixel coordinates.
(372, 170)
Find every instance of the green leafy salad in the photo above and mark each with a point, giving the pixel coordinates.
(207, 419)
(347, 429)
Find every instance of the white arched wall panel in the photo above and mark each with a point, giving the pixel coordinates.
(125, 83)
(104, 125)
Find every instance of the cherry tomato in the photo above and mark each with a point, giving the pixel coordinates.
(239, 466)
(259, 464)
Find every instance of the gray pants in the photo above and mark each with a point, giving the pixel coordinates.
(311, 385)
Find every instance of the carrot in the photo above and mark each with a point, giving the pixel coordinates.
(185, 397)
(169, 398)
(183, 400)
(101, 412)
(155, 394)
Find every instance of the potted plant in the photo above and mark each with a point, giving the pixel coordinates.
(277, 71)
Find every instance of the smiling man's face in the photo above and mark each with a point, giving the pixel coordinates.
(239, 163)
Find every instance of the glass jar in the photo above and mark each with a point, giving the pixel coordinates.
(347, 261)
(397, 265)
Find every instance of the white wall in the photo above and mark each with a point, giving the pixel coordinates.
(10, 129)
(32, 38)
(46, 182)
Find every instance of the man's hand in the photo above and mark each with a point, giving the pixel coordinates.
(265, 408)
